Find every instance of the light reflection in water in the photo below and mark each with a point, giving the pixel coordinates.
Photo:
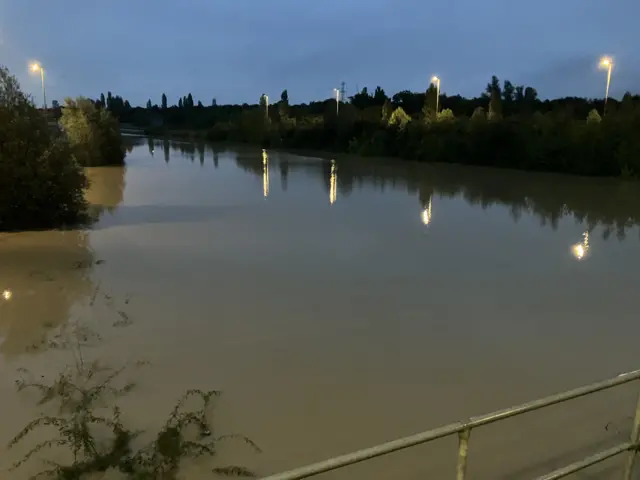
(265, 173)
(426, 213)
(333, 183)
(580, 250)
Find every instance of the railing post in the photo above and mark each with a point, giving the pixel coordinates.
(463, 453)
(635, 438)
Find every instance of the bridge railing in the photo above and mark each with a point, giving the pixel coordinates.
(463, 430)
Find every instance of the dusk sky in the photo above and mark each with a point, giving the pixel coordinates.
(234, 50)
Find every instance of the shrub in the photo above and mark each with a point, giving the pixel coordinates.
(41, 185)
(594, 117)
(94, 134)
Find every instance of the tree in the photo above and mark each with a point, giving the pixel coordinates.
(109, 100)
(594, 117)
(399, 118)
(41, 184)
(508, 92)
(55, 104)
(387, 111)
(284, 97)
(164, 101)
(493, 88)
(214, 102)
(103, 102)
(430, 102)
(494, 92)
(446, 115)
(149, 106)
(362, 99)
(478, 115)
(530, 95)
(495, 107)
(519, 95)
(180, 103)
(189, 101)
(94, 135)
(200, 104)
(379, 97)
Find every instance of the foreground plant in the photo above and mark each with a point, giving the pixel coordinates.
(89, 426)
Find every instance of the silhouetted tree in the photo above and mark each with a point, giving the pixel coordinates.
(164, 101)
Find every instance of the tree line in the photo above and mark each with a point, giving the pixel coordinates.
(507, 125)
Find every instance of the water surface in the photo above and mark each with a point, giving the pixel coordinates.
(340, 302)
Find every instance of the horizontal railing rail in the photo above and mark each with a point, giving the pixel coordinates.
(463, 429)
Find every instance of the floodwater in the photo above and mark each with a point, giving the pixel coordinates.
(339, 303)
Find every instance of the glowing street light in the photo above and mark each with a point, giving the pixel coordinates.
(580, 250)
(436, 81)
(426, 214)
(36, 67)
(265, 173)
(333, 183)
(606, 63)
(7, 294)
(337, 101)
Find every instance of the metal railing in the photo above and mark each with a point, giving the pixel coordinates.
(463, 429)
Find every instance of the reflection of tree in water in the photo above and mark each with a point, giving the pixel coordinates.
(46, 273)
(201, 152)
(283, 166)
(106, 188)
(614, 205)
(166, 149)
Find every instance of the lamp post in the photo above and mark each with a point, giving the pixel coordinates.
(36, 67)
(266, 106)
(337, 101)
(436, 80)
(606, 63)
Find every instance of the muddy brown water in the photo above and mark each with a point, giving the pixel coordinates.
(340, 303)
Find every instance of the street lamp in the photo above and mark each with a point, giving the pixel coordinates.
(436, 80)
(606, 63)
(337, 101)
(36, 67)
(266, 106)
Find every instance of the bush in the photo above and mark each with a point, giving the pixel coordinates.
(41, 184)
(94, 134)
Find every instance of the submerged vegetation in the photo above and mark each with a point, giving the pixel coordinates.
(90, 432)
(42, 183)
(93, 133)
(506, 126)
